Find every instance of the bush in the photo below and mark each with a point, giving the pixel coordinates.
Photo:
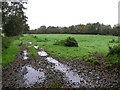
(114, 55)
(71, 42)
(115, 50)
(115, 60)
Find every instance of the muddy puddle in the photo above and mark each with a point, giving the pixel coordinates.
(25, 54)
(32, 76)
(71, 76)
(42, 53)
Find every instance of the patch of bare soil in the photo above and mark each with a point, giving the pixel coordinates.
(97, 76)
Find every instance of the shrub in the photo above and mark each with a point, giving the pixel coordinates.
(115, 60)
(71, 42)
(114, 55)
(114, 51)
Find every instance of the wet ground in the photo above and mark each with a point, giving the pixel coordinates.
(48, 72)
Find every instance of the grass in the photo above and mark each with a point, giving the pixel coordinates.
(54, 84)
(87, 44)
(8, 55)
(32, 51)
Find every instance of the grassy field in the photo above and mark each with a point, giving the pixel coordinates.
(87, 44)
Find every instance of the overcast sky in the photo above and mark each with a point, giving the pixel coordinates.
(71, 12)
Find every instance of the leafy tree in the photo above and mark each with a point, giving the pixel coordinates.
(42, 29)
(13, 18)
(14, 26)
(26, 28)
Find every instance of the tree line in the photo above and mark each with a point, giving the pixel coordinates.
(89, 28)
(14, 23)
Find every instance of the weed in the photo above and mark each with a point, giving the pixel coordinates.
(54, 84)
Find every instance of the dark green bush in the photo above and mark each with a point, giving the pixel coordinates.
(71, 42)
(115, 50)
(115, 60)
(114, 55)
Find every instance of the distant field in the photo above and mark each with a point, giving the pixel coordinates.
(87, 43)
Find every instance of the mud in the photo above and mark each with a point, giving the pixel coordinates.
(69, 75)
(45, 71)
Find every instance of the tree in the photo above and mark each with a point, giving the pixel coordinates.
(42, 29)
(13, 18)
(13, 27)
(26, 28)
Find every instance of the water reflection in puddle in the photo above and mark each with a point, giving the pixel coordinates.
(30, 43)
(72, 77)
(36, 47)
(25, 54)
(42, 53)
(32, 76)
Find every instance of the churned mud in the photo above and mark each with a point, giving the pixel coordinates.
(45, 71)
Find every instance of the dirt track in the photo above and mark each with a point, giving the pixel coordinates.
(41, 72)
